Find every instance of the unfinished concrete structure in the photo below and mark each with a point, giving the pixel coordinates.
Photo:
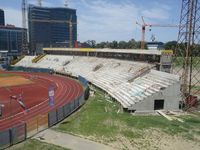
(162, 59)
(133, 84)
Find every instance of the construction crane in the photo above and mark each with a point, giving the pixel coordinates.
(39, 3)
(66, 3)
(70, 32)
(144, 25)
(24, 6)
(70, 26)
(24, 26)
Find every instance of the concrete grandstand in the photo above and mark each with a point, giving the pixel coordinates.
(135, 85)
(162, 59)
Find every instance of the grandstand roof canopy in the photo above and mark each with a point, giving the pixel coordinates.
(132, 51)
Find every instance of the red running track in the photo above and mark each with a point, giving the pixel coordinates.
(35, 97)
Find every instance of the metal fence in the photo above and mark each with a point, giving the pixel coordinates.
(38, 123)
(5, 139)
(12, 136)
(30, 69)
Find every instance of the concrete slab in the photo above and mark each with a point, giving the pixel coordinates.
(69, 141)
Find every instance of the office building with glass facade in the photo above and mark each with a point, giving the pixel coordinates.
(50, 27)
(11, 39)
(2, 18)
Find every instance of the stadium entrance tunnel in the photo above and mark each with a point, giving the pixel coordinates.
(159, 104)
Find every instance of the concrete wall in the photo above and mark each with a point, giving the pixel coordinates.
(171, 96)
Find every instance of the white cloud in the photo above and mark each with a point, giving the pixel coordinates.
(44, 3)
(104, 19)
(156, 13)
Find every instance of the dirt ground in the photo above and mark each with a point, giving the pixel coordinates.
(152, 140)
(14, 81)
(155, 139)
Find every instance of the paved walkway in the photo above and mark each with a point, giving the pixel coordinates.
(69, 141)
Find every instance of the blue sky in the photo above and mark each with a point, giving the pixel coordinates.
(108, 20)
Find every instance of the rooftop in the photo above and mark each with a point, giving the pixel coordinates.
(131, 51)
(45, 7)
(10, 27)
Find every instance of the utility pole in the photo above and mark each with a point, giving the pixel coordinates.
(186, 60)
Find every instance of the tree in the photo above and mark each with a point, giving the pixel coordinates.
(113, 45)
(132, 44)
(92, 43)
(122, 45)
(171, 45)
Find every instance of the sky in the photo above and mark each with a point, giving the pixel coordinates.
(108, 20)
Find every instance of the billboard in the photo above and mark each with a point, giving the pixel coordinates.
(51, 94)
(83, 81)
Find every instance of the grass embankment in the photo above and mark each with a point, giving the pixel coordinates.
(36, 145)
(100, 120)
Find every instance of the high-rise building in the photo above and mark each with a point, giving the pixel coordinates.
(2, 18)
(51, 27)
(11, 39)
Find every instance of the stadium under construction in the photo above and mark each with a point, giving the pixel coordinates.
(139, 80)
(135, 84)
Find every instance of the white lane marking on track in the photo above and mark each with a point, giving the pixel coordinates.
(72, 89)
(56, 84)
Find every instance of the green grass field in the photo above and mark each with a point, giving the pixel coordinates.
(36, 145)
(100, 119)
(6, 75)
(178, 62)
(196, 87)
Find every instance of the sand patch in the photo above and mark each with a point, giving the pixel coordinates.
(14, 81)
